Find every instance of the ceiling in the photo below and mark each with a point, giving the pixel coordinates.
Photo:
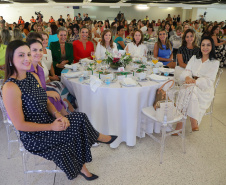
(204, 2)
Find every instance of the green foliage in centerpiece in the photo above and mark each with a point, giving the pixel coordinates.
(117, 61)
(146, 37)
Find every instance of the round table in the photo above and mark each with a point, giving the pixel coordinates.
(114, 109)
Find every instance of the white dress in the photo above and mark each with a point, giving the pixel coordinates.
(100, 50)
(47, 59)
(203, 92)
(137, 51)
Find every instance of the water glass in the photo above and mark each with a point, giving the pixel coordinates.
(108, 81)
(81, 79)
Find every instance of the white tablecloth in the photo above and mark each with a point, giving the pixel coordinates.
(114, 109)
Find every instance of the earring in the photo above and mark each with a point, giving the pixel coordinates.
(10, 64)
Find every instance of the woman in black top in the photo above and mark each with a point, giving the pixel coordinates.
(188, 48)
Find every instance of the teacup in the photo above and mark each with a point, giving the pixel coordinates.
(141, 76)
(85, 73)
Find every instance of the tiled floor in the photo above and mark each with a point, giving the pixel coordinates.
(203, 164)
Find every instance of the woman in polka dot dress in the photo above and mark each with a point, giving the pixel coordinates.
(43, 130)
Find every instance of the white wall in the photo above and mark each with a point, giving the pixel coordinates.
(11, 14)
(213, 14)
(154, 13)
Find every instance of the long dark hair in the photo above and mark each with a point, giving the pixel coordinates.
(212, 54)
(213, 29)
(184, 43)
(10, 67)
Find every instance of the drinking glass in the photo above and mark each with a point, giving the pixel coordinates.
(155, 60)
(98, 60)
(93, 54)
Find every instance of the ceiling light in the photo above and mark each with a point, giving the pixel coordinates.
(114, 6)
(142, 7)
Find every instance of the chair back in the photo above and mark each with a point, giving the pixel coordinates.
(220, 71)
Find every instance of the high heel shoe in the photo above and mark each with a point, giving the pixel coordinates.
(195, 129)
(113, 138)
(93, 177)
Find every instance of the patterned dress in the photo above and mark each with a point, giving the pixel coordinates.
(68, 149)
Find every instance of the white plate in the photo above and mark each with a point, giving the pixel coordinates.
(86, 82)
(166, 70)
(129, 85)
(157, 78)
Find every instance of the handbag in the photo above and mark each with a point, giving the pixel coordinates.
(161, 95)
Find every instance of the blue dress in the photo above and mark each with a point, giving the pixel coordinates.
(164, 53)
(68, 149)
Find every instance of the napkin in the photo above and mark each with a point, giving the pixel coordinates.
(68, 66)
(86, 60)
(129, 81)
(95, 82)
(72, 74)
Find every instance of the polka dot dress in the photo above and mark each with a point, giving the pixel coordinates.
(69, 149)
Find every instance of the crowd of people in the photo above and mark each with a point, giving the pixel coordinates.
(33, 55)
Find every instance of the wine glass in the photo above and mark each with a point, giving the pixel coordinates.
(93, 54)
(99, 60)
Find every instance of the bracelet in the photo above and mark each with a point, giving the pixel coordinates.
(54, 114)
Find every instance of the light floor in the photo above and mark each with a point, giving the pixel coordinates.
(203, 164)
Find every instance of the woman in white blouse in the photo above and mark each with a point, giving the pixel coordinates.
(201, 71)
(47, 61)
(106, 44)
(137, 48)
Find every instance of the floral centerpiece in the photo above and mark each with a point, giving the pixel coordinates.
(117, 60)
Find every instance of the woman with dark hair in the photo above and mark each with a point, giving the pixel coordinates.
(119, 38)
(53, 34)
(76, 32)
(70, 34)
(201, 71)
(188, 48)
(20, 21)
(82, 48)
(207, 31)
(220, 45)
(163, 49)
(105, 26)
(129, 32)
(34, 27)
(106, 44)
(168, 30)
(137, 48)
(26, 28)
(43, 130)
(150, 31)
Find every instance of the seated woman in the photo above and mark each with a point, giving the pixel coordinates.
(163, 49)
(119, 38)
(106, 44)
(37, 67)
(207, 31)
(220, 45)
(62, 52)
(176, 40)
(137, 48)
(151, 32)
(82, 48)
(53, 34)
(188, 48)
(129, 32)
(43, 130)
(198, 73)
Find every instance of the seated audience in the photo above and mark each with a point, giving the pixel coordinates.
(150, 31)
(53, 34)
(176, 40)
(43, 130)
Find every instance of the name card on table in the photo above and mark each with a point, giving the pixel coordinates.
(121, 69)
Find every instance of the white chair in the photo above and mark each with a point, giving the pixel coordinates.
(210, 110)
(25, 154)
(169, 115)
